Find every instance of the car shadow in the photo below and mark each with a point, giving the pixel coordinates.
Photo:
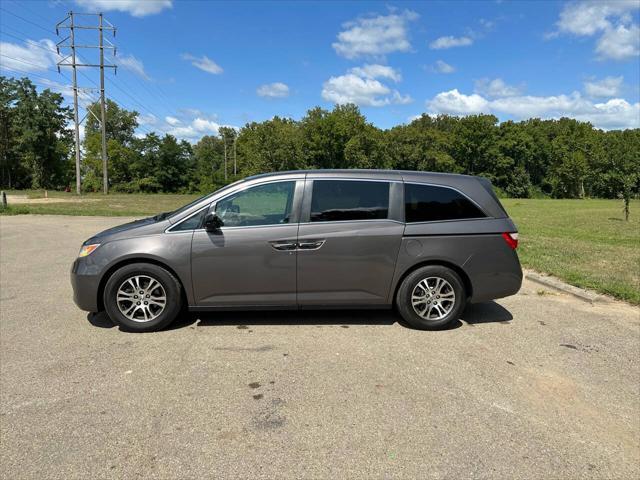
(486, 312)
(474, 314)
(299, 317)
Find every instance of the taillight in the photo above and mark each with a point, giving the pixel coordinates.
(511, 239)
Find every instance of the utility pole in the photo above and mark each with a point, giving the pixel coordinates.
(103, 118)
(224, 137)
(73, 46)
(75, 104)
(235, 162)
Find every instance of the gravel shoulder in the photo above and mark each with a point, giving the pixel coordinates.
(538, 385)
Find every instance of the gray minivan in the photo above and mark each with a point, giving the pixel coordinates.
(426, 243)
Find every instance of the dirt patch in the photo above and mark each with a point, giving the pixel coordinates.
(23, 199)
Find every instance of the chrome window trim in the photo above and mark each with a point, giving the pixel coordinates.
(243, 227)
(486, 216)
(353, 179)
(340, 179)
(368, 220)
(215, 202)
(451, 220)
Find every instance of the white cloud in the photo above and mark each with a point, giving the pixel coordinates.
(361, 86)
(620, 43)
(375, 36)
(450, 42)
(455, 103)
(588, 17)
(442, 67)
(204, 63)
(149, 119)
(194, 129)
(607, 87)
(377, 71)
(616, 113)
(137, 8)
(206, 126)
(32, 56)
(619, 37)
(131, 63)
(186, 124)
(273, 90)
(351, 88)
(496, 88)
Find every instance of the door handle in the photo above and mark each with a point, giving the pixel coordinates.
(284, 245)
(310, 244)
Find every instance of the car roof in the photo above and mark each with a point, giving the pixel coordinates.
(361, 172)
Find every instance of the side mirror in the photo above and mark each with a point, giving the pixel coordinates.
(212, 222)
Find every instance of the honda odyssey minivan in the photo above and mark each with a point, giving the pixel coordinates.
(424, 243)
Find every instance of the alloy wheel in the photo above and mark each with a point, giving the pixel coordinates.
(141, 298)
(433, 298)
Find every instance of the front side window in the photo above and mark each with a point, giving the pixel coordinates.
(192, 223)
(342, 200)
(268, 204)
(430, 203)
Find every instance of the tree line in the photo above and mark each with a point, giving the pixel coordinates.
(562, 158)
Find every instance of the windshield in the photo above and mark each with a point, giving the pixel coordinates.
(163, 215)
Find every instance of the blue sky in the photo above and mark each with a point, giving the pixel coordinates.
(189, 67)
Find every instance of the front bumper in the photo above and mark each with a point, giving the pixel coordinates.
(85, 286)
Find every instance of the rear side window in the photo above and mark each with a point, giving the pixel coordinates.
(429, 203)
(342, 200)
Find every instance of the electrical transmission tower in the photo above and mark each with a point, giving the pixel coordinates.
(71, 61)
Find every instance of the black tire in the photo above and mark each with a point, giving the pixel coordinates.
(404, 304)
(172, 290)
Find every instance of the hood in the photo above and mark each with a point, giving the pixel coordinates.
(137, 228)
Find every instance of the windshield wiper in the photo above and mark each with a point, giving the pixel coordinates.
(161, 216)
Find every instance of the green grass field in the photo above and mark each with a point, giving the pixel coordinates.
(585, 242)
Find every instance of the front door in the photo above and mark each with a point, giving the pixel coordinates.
(348, 242)
(251, 260)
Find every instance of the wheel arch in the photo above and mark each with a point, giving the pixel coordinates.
(466, 281)
(128, 261)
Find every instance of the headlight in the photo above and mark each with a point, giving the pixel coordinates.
(88, 249)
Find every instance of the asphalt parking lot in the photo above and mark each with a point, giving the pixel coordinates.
(539, 385)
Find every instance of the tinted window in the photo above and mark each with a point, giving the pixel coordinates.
(268, 204)
(336, 200)
(427, 203)
(191, 223)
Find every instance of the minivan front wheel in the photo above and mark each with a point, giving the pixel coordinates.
(142, 297)
(431, 297)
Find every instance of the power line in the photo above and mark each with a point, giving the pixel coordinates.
(32, 12)
(27, 20)
(161, 102)
(31, 74)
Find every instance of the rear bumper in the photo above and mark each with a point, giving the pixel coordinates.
(502, 279)
(85, 287)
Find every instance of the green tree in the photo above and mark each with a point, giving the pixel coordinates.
(270, 146)
(209, 163)
(618, 174)
(120, 128)
(36, 140)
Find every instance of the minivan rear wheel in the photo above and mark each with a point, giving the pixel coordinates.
(142, 297)
(431, 297)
